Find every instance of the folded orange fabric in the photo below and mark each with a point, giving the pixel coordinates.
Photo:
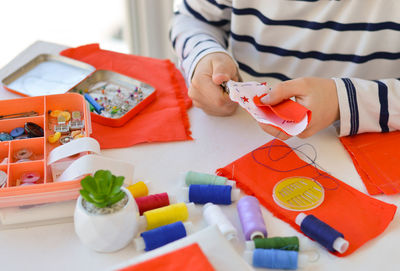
(190, 258)
(287, 110)
(375, 156)
(164, 119)
(358, 216)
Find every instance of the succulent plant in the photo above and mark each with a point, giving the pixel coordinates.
(103, 189)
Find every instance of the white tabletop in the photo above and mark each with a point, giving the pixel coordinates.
(217, 142)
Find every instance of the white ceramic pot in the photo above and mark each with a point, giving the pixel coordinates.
(109, 232)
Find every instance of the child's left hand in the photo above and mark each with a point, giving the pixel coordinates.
(317, 94)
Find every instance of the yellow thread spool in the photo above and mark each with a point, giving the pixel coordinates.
(298, 193)
(166, 215)
(138, 189)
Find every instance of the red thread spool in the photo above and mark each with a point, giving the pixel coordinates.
(151, 202)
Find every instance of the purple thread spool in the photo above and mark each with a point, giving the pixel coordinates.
(251, 218)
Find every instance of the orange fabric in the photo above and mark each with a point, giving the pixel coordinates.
(190, 258)
(358, 216)
(287, 110)
(375, 156)
(165, 119)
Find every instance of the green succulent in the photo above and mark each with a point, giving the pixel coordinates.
(103, 189)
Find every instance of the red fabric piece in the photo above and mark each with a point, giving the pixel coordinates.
(358, 216)
(164, 119)
(190, 258)
(287, 110)
(375, 156)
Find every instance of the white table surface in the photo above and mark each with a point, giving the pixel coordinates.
(217, 142)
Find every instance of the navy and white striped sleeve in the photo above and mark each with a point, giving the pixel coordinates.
(368, 105)
(200, 27)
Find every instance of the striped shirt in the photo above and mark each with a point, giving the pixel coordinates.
(355, 42)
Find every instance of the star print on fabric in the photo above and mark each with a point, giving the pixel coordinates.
(244, 99)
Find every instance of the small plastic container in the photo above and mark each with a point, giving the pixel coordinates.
(20, 157)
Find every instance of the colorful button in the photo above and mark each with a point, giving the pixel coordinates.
(33, 130)
(16, 132)
(5, 137)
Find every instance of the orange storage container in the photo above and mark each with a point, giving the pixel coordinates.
(34, 151)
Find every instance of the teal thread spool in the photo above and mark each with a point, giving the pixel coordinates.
(283, 243)
(193, 177)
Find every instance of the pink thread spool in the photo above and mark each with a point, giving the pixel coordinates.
(30, 177)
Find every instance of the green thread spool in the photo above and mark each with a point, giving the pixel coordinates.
(283, 243)
(193, 177)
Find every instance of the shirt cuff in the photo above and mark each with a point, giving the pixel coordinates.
(344, 107)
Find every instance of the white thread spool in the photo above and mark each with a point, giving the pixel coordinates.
(214, 216)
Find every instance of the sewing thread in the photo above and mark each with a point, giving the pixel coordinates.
(203, 193)
(138, 189)
(275, 258)
(322, 233)
(193, 177)
(163, 235)
(166, 215)
(151, 202)
(284, 243)
(213, 215)
(251, 218)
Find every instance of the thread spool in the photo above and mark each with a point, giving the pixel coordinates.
(272, 258)
(251, 218)
(166, 215)
(322, 233)
(163, 235)
(138, 189)
(213, 215)
(192, 177)
(154, 201)
(284, 243)
(217, 194)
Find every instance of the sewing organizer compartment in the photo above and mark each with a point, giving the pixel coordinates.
(27, 127)
(113, 98)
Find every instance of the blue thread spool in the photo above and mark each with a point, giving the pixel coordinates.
(163, 235)
(217, 194)
(98, 108)
(322, 233)
(272, 258)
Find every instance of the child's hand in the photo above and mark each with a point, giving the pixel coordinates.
(317, 94)
(205, 90)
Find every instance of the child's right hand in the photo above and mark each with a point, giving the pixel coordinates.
(205, 90)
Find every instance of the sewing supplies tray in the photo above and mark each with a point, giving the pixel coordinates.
(120, 99)
(23, 160)
(120, 96)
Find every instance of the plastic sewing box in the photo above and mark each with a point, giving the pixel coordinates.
(114, 98)
(45, 81)
(21, 157)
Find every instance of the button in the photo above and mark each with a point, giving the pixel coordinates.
(5, 137)
(16, 132)
(33, 130)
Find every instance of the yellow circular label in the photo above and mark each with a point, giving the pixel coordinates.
(298, 193)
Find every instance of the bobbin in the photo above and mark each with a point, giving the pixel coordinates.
(235, 194)
(141, 245)
(302, 260)
(194, 177)
(143, 224)
(340, 244)
(213, 215)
